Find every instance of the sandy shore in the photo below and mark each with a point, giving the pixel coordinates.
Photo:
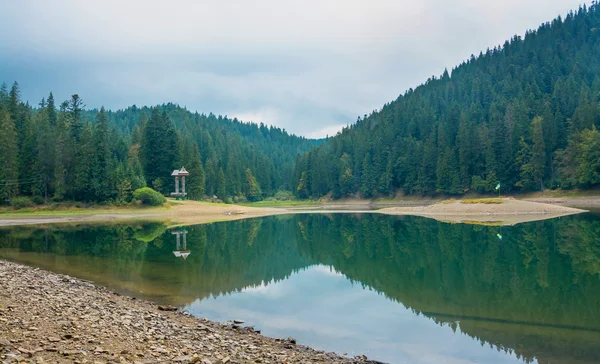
(509, 212)
(182, 213)
(52, 318)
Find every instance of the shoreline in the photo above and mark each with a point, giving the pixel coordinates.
(47, 317)
(510, 211)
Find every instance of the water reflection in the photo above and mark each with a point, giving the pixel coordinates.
(398, 289)
(181, 251)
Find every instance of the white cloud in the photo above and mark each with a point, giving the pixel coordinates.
(308, 66)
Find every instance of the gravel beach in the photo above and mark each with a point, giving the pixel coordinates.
(53, 318)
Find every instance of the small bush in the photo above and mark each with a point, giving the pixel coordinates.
(240, 199)
(37, 200)
(149, 197)
(284, 196)
(18, 203)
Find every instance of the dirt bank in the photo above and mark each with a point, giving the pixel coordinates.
(52, 318)
(505, 211)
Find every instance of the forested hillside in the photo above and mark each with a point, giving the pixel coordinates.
(64, 152)
(524, 114)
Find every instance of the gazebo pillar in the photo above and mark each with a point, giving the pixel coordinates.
(183, 184)
(176, 184)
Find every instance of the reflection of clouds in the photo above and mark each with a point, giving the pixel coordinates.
(266, 290)
(423, 354)
(322, 308)
(326, 270)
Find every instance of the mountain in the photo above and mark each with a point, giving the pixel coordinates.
(69, 153)
(523, 115)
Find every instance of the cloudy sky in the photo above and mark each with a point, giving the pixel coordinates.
(309, 66)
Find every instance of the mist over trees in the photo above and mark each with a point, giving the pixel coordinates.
(524, 114)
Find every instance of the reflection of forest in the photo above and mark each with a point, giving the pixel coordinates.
(535, 292)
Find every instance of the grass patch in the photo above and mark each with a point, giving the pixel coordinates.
(280, 203)
(487, 201)
(483, 223)
(448, 202)
(58, 209)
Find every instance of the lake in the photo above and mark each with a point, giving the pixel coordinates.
(397, 289)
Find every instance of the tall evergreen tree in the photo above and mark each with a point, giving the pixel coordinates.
(9, 168)
(196, 180)
(251, 187)
(100, 168)
(159, 150)
(75, 108)
(51, 110)
(538, 155)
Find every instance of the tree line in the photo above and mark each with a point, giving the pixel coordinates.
(68, 153)
(524, 115)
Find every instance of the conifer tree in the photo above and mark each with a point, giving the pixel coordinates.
(75, 108)
(196, 180)
(28, 159)
(82, 171)
(9, 168)
(46, 149)
(538, 156)
(251, 187)
(159, 148)
(100, 169)
(221, 186)
(51, 110)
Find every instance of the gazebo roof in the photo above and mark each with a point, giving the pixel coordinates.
(175, 173)
(183, 172)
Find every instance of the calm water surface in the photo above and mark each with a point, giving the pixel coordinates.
(398, 289)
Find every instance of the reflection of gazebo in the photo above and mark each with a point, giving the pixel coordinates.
(179, 173)
(181, 251)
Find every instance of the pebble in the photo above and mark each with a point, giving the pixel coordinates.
(69, 321)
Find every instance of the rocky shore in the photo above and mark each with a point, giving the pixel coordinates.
(52, 318)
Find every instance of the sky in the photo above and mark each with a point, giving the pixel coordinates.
(308, 66)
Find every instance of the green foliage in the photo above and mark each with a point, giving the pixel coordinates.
(100, 170)
(99, 155)
(124, 190)
(196, 181)
(578, 165)
(283, 196)
(251, 187)
(20, 202)
(159, 149)
(588, 158)
(148, 196)
(505, 115)
(9, 168)
(302, 189)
